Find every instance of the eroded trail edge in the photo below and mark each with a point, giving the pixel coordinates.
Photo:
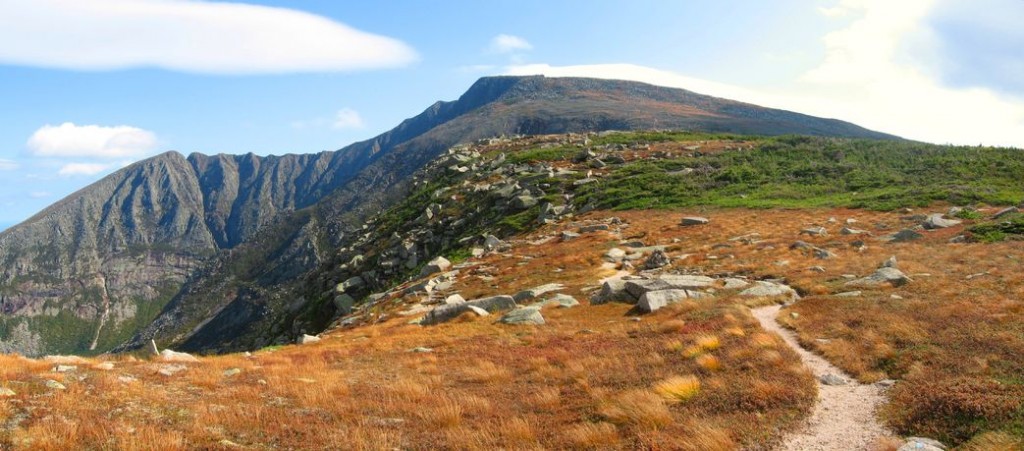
(844, 416)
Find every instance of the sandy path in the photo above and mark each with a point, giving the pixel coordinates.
(844, 417)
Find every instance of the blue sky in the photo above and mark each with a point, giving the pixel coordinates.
(91, 85)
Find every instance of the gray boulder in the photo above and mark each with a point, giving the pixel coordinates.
(594, 228)
(654, 300)
(306, 339)
(936, 221)
(693, 221)
(852, 231)
(832, 379)
(905, 235)
(764, 289)
(569, 236)
(444, 313)
(343, 303)
(523, 202)
(614, 255)
(351, 283)
(1005, 212)
(523, 315)
(439, 264)
(814, 231)
(638, 288)
(563, 301)
(536, 292)
(168, 355)
(657, 259)
(882, 276)
(613, 290)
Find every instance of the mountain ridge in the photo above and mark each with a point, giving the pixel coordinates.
(197, 210)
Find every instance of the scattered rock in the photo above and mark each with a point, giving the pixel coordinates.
(1005, 212)
(637, 288)
(852, 231)
(523, 315)
(343, 303)
(454, 299)
(613, 290)
(479, 311)
(104, 366)
(536, 292)
(306, 339)
(764, 289)
(65, 369)
(849, 294)
(693, 221)
(832, 379)
(594, 228)
(563, 301)
(523, 202)
(168, 355)
(421, 350)
(492, 304)
(654, 300)
(569, 236)
(889, 262)
(439, 264)
(230, 372)
(905, 235)
(823, 254)
(882, 276)
(814, 231)
(937, 221)
(733, 283)
(817, 269)
(657, 259)
(885, 383)
(614, 255)
(54, 385)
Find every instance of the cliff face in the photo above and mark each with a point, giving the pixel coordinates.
(206, 251)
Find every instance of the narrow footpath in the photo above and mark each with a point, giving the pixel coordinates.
(844, 416)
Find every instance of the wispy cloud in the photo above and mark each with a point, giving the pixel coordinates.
(507, 43)
(8, 165)
(73, 169)
(92, 141)
(223, 38)
(347, 118)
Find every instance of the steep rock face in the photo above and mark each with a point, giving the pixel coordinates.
(213, 246)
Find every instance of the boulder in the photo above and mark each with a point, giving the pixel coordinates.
(814, 231)
(905, 235)
(882, 276)
(168, 355)
(536, 292)
(343, 304)
(764, 289)
(613, 290)
(523, 202)
(654, 300)
(306, 339)
(594, 228)
(823, 254)
(693, 221)
(657, 259)
(733, 283)
(562, 301)
(492, 243)
(54, 385)
(352, 282)
(444, 313)
(614, 255)
(889, 262)
(638, 288)
(454, 299)
(479, 311)
(569, 236)
(523, 315)
(439, 264)
(1005, 212)
(937, 221)
(852, 231)
(801, 245)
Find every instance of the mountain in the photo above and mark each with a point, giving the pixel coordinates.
(212, 253)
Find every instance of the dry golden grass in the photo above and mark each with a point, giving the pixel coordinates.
(592, 436)
(678, 388)
(639, 408)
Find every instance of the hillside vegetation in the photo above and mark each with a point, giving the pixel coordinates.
(512, 216)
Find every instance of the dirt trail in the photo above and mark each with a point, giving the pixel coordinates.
(844, 417)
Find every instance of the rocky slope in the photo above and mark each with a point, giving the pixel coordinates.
(208, 245)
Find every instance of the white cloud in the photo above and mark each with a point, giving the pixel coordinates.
(73, 169)
(93, 141)
(347, 118)
(185, 35)
(865, 78)
(8, 165)
(507, 43)
(39, 194)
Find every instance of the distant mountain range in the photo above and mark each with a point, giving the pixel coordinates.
(203, 252)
